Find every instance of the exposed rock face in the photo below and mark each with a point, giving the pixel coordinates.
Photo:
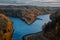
(55, 16)
(26, 13)
(5, 28)
(51, 30)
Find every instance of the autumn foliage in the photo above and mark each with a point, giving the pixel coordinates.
(5, 28)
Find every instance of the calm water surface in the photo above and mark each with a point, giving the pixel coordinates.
(21, 28)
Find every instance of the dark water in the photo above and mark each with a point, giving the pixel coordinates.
(21, 28)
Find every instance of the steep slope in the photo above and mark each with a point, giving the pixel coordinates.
(5, 28)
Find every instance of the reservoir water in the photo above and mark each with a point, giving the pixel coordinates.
(21, 28)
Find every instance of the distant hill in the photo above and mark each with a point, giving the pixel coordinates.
(27, 13)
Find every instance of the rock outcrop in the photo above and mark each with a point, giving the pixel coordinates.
(27, 13)
(51, 30)
(5, 28)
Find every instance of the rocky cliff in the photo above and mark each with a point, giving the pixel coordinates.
(5, 28)
(27, 13)
(51, 30)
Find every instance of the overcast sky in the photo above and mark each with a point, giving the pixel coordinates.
(25, 1)
(37, 0)
(49, 0)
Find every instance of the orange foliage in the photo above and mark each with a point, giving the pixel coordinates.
(7, 31)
